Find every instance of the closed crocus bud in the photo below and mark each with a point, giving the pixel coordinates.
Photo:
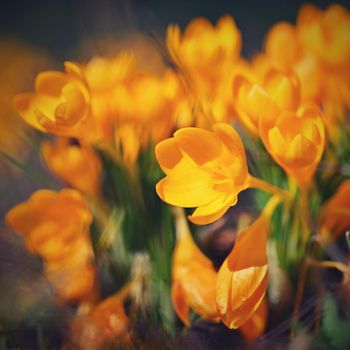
(243, 276)
(326, 33)
(55, 225)
(296, 141)
(204, 169)
(128, 143)
(60, 103)
(76, 164)
(282, 45)
(255, 100)
(193, 275)
(335, 213)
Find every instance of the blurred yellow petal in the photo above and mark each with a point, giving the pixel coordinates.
(181, 307)
(78, 165)
(194, 276)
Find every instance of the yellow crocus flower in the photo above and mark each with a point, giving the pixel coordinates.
(296, 141)
(60, 103)
(204, 169)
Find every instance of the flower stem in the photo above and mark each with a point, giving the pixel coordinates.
(299, 296)
(305, 213)
(331, 264)
(265, 186)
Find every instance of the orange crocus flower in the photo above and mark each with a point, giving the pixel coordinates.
(102, 324)
(326, 33)
(204, 169)
(205, 54)
(194, 276)
(60, 103)
(296, 141)
(255, 99)
(243, 276)
(335, 213)
(204, 50)
(55, 226)
(76, 164)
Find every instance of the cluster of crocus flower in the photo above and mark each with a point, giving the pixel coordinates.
(108, 114)
(272, 100)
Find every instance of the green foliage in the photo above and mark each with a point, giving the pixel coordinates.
(335, 330)
(142, 228)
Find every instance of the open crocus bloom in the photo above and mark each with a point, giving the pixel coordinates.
(243, 276)
(203, 169)
(194, 276)
(60, 103)
(296, 141)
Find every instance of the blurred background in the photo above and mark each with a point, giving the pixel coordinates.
(61, 26)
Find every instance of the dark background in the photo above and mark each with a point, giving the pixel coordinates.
(61, 25)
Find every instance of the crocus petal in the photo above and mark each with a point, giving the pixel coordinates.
(223, 288)
(213, 211)
(235, 318)
(50, 83)
(199, 286)
(301, 152)
(255, 326)
(188, 189)
(245, 283)
(200, 145)
(168, 154)
(179, 302)
(230, 138)
(25, 106)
